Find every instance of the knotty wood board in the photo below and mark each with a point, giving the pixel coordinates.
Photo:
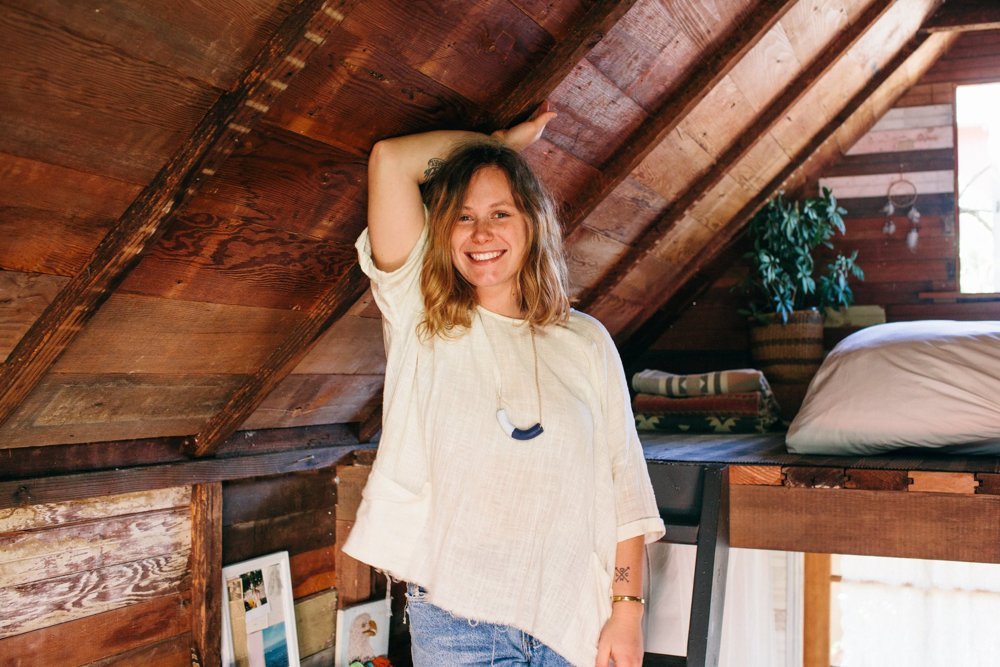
(106, 634)
(76, 103)
(634, 54)
(315, 622)
(69, 408)
(492, 38)
(323, 101)
(352, 346)
(627, 209)
(30, 557)
(302, 400)
(313, 571)
(223, 260)
(770, 66)
(206, 570)
(658, 170)
(142, 334)
(565, 175)
(588, 255)
(287, 181)
(42, 604)
(172, 652)
(42, 516)
(296, 533)
(200, 42)
(593, 114)
(874, 523)
(270, 497)
(23, 297)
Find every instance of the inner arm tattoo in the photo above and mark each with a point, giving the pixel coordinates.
(621, 574)
(433, 166)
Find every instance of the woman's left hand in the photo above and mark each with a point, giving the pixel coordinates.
(620, 643)
(524, 134)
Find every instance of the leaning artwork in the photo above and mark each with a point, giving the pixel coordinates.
(363, 635)
(258, 616)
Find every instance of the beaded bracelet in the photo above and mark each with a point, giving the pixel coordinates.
(627, 598)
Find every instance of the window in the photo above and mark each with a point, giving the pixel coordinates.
(978, 119)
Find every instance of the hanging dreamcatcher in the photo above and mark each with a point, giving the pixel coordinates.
(902, 195)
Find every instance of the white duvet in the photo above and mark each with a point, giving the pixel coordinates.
(930, 383)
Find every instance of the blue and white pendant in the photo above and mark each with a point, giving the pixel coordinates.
(517, 433)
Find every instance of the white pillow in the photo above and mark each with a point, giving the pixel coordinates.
(929, 383)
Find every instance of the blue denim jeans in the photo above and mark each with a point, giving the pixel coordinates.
(441, 639)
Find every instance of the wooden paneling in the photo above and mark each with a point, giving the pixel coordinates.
(270, 497)
(289, 182)
(25, 297)
(119, 117)
(106, 634)
(61, 563)
(302, 400)
(312, 571)
(494, 39)
(140, 334)
(195, 39)
(68, 408)
(204, 258)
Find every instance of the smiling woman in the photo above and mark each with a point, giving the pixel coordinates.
(524, 541)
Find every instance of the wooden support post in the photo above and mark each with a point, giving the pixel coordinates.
(816, 611)
(354, 578)
(206, 571)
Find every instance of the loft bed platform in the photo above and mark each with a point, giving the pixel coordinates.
(912, 503)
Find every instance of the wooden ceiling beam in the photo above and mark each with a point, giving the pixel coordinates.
(659, 304)
(964, 16)
(232, 117)
(692, 90)
(586, 34)
(543, 79)
(651, 236)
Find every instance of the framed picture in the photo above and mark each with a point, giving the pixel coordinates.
(258, 616)
(362, 638)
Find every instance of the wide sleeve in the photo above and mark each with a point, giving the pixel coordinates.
(397, 293)
(635, 505)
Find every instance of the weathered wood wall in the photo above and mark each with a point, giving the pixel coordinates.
(104, 578)
(916, 139)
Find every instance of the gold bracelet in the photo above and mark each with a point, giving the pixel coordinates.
(627, 598)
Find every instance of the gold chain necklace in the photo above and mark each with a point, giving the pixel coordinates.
(505, 423)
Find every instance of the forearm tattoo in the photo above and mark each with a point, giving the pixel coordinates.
(433, 166)
(621, 574)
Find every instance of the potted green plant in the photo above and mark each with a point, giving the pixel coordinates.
(785, 296)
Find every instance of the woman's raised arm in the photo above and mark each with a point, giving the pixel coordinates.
(397, 167)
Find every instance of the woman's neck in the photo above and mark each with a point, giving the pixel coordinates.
(503, 303)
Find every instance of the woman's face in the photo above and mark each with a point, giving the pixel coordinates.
(489, 241)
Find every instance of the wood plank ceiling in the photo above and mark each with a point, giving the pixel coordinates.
(180, 188)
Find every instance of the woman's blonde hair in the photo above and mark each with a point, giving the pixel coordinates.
(541, 281)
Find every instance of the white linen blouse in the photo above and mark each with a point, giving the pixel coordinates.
(521, 533)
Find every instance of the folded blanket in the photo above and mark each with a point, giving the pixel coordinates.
(703, 384)
(745, 412)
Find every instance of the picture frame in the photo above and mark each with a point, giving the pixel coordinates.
(258, 613)
(363, 635)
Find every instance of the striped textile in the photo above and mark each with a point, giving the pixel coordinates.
(745, 412)
(704, 384)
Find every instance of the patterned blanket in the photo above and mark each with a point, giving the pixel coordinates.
(737, 401)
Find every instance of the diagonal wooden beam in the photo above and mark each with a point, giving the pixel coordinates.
(543, 79)
(726, 235)
(557, 63)
(709, 72)
(143, 223)
(766, 121)
(279, 364)
(964, 16)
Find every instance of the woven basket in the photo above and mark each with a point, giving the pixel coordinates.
(792, 352)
